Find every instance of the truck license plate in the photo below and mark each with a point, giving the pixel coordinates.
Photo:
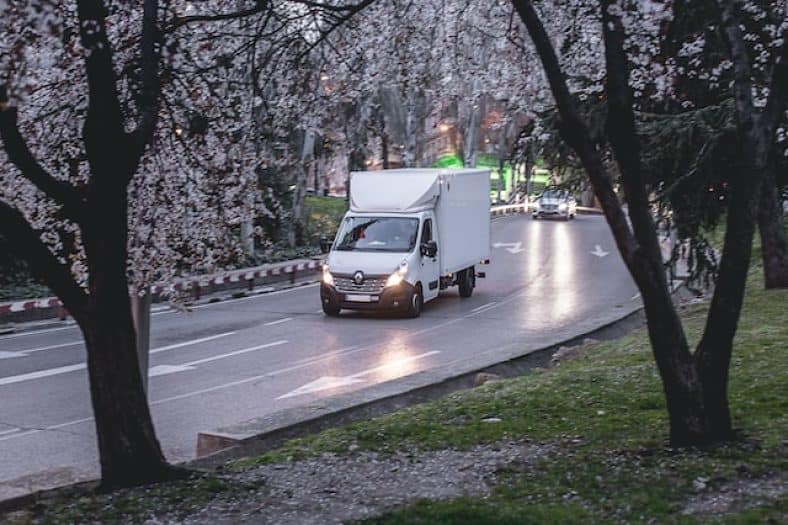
(356, 298)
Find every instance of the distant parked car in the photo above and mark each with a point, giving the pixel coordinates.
(555, 203)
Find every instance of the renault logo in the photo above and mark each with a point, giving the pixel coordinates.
(358, 277)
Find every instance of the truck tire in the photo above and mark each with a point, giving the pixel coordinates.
(331, 309)
(416, 303)
(467, 281)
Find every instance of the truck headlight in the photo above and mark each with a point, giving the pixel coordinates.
(394, 279)
(397, 277)
(327, 277)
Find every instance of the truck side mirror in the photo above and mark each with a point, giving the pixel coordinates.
(325, 244)
(429, 248)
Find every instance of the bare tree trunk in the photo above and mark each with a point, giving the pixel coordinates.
(773, 240)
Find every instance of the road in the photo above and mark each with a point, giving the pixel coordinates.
(231, 361)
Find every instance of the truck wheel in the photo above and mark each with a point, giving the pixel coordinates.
(467, 281)
(331, 309)
(416, 303)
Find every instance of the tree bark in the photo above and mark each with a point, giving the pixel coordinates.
(694, 385)
(773, 239)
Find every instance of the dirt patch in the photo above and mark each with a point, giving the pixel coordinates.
(738, 495)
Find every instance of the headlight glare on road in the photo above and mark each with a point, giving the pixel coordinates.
(394, 279)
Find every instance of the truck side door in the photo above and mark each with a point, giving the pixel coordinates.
(430, 268)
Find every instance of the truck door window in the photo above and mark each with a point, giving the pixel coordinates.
(426, 231)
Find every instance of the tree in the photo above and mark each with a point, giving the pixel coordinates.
(695, 384)
(117, 99)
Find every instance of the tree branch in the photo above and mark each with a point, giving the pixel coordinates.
(263, 5)
(742, 85)
(104, 123)
(44, 265)
(626, 146)
(20, 155)
(151, 86)
(575, 133)
(778, 89)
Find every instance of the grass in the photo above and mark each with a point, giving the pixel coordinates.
(602, 413)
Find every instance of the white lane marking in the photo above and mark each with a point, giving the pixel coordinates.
(22, 334)
(30, 376)
(6, 432)
(599, 252)
(11, 355)
(192, 342)
(636, 296)
(41, 373)
(237, 352)
(50, 347)
(160, 370)
(483, 307)
(327, 382)
(52, 427)
(272, 323)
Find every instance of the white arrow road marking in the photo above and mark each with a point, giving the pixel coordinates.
(82, 366)
(160, 370)
(599, 252)
(326, 382)
(511, 247)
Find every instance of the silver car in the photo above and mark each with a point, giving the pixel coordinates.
(555, 203)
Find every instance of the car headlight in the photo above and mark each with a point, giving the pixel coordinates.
(327, 277)
(398, 276)
(562, 206)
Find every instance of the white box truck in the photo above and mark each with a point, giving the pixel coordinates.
(409, 234)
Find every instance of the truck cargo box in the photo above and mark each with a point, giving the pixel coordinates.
(460, 199)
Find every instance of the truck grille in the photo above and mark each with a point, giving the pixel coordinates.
(370, 285)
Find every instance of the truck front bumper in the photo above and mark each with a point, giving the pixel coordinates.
(392, 298)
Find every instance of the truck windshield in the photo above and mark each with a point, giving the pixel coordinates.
(377, 234)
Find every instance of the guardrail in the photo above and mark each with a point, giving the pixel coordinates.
(197, 286)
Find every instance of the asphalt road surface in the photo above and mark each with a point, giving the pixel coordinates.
(231, 361)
